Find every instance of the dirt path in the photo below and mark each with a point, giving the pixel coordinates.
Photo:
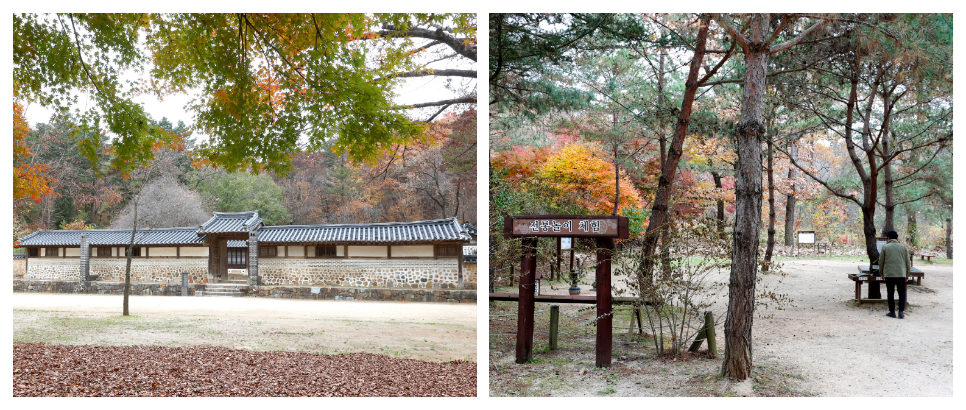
(424, 331)
(846, 350)
(823, 344)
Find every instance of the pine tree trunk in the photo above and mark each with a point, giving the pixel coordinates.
(720, 217)
(790, 200)
(771, 207)
(949, 237)
(912, 228)
(749, 133)
(889, 184)
(659, 211)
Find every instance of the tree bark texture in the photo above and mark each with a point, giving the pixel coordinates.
(749, 133)
(912, 228)
(949, 237)
(889, 185)
(660, 210)
(720, 217)
(771, 206)
(790, 200)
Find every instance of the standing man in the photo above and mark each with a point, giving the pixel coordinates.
(894, 263)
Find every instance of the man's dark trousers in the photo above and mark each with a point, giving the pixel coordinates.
(892, 284)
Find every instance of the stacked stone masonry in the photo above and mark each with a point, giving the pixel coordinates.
(361, 273)
(19, 268)
(111, 270)
(282, 292)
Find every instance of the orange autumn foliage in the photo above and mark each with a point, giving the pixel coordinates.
(578, 168)
(29, 180)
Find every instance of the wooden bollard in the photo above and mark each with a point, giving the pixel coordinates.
(706, 333)
(554, 320)
(511, 276)
(709, 329)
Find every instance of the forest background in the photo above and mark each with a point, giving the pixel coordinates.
(579, 99)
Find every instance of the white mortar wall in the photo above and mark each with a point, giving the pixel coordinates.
(310, 251)
(72, 252)
(368, 251)
(412, 251)
(296, 251)
(194, 251)
(279, 251)
(164, 252)
(340, 250)
(114, 251)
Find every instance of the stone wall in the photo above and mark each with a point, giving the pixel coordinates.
(53, 269)
(112, 270)
(106, 288)
(150, 270)
(19, 268)
(285, 292)
(361, 273)
(469, 274)
(364, 294)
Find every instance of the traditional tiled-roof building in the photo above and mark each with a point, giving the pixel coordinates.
(238, 247)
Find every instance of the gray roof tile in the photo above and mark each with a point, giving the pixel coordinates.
(231, 222)
(420, 231)
(156, 236)
(438, 230)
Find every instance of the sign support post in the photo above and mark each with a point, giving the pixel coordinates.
(530, 227)
(525, 305)
(605, 320)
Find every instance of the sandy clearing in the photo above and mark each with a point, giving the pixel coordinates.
(826, 343)
(425, 331)
(846, 350)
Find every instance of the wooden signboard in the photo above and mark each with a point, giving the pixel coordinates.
(584, 226)
(880, 242)
(530, 227)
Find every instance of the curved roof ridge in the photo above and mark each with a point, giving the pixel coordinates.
(187, 228)
(363, 225)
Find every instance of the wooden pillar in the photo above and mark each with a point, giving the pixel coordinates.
(558, 259)
(605, 320)
(525, 307)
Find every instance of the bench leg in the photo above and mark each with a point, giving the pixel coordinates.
(858, 290)
(918, 281)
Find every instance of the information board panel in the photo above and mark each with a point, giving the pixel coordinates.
(587, 226)
(566, 244)
(806, 236)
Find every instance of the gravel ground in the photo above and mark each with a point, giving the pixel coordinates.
(844, 349)
(822, 344)
(423, 331)
(52, 370)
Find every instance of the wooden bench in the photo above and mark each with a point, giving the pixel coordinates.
(926, 256)
(823, 246)
(914, 274)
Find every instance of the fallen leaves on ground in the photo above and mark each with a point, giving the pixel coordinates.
(61, 370)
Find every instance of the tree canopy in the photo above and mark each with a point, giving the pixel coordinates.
(264, 85)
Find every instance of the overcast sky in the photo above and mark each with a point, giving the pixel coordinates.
(411, 91)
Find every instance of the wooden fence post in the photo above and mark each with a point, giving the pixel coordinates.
(554, 319)
(709, 329)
